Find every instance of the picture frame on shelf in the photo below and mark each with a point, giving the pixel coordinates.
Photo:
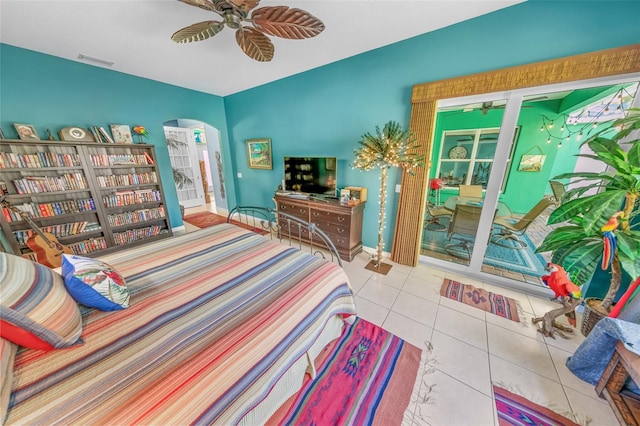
(121, 133)
(259, 153)
(26, 131)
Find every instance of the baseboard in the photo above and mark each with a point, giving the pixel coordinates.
(178, 229)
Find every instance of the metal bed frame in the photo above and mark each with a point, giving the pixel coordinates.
(283, 226)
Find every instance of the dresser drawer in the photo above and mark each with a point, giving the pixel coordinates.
(331, 217)
(293, 209)
(333, 228)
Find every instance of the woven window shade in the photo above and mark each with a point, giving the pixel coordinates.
(406, 240)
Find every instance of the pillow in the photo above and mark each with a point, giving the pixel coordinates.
(7, 356)
(94, 283)
(35, 309)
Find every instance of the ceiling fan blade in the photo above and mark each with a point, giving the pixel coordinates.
(202, 4)
(285, 22)
(197, 32)
(244, 5)
(255, 44)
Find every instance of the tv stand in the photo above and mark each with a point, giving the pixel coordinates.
(342, 223)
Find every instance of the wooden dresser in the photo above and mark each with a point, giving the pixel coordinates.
(342, 223)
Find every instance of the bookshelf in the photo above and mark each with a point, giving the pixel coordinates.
(93, 197)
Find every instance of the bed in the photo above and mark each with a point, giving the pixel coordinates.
(222, 326)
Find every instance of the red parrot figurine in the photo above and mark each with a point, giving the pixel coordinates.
(609, 238)
(559, 282)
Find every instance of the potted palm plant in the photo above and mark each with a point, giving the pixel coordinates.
(578, 245)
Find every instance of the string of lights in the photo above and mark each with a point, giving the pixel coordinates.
(569, 125)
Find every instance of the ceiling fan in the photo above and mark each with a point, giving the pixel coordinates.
(488, 105)
(279, 21)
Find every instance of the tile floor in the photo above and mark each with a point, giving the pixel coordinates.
(466, 350)
(471, 349)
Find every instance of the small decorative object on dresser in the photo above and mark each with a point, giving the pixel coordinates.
(75, 134)
(26, 131)
(259, 153)
(121, 133)
(356, 193)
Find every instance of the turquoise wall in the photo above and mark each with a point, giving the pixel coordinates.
(320, 112)
(52, 93)
(325, 111)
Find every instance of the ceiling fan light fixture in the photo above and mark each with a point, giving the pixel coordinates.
(279, 21)
(101, 61)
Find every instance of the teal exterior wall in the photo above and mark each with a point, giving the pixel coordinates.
(320, 112)
(52, 93)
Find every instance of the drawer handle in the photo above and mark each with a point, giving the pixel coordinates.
(341, 219)
(302, 211)
(283, 207)
(340, 230)
(316, 214)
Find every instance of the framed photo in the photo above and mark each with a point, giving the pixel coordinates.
(531, 162)
(26, 131)
(259, 153)
(121, 133)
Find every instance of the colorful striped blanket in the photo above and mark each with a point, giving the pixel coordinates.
(216, 317)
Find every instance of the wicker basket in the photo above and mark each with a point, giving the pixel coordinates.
(590, 318)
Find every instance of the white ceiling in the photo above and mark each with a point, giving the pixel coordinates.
(135, 35)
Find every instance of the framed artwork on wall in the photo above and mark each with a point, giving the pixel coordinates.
(259, 153)
(26, 131)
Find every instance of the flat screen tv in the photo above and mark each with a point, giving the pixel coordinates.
(310, 175)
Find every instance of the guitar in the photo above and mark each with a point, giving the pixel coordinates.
(45, 246)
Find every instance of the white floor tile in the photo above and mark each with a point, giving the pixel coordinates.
(522, 350)
(416, 308)
(596, 410)
(370, 311)
(462, 361)
(526, 383)
(463, 327)
(567, 378)
(411, 331)
(524, 326)
(376, 292)
(451, 402)
(395, 278)
(423, 287)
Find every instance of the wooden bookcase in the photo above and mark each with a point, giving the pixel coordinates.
(342, 223)
(93, 197)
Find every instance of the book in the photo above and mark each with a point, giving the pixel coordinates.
(106, 135)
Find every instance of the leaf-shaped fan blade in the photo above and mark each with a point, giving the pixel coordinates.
(198, 32)
(202, 4)
(281, 21)
(245, 5)
(255, 44)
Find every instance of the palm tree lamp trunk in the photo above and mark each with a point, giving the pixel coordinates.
(391, 147)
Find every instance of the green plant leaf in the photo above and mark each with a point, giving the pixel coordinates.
(563, 236)
(597, 209)
(610, 152)
(634, 155)
(579, 260)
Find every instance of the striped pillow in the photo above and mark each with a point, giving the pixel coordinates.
(36, 311)
(7, 356)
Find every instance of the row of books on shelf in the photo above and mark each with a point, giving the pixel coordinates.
(136, 216)
(39, 159)
(127, 179)
(127, 198)
(60, 230)
(39, 184)
(88, 246)
(121, 159)
(131, 235)
(49, 209)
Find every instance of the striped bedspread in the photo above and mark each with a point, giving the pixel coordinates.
(216, 317)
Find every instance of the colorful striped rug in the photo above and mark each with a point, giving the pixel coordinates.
(480, 298)
(514, 410)
(365, 377)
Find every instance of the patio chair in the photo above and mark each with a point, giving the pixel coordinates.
(474, 191)
(558, 190)
(464, 222)
(511, 229)
(432, 223)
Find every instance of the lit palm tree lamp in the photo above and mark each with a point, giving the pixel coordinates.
(393, 147)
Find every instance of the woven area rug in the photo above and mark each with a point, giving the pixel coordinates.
(525, 261)
(365, 377)
(502, 306)
(514, 410)
(207, 219)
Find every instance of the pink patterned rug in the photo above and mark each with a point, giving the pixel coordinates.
(365, 377)
(514, 410)
(502, 306)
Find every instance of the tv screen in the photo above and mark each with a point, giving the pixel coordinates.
(313, 175)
